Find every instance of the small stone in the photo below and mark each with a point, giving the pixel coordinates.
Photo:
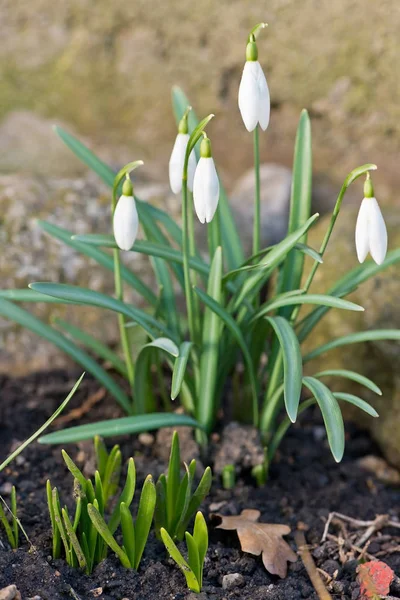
(6, 488)
(10, 593)
(146, 439)
(96, 592)
(232, 581)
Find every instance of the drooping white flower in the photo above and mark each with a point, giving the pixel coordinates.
(371, 234)
(205, 185)
(125, 218)
(176, 163)
(254, 100)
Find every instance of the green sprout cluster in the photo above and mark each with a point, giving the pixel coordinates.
(9, 519)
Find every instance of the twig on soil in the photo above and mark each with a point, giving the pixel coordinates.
(77, 413)
(340, 542)
(311, 569)
(378, 523)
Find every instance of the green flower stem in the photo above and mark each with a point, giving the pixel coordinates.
(192, 254)
(257, 202)
(187, 244)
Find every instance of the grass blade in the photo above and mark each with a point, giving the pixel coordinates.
(179, 370)
(353, 376)
(207, 402)
(128, 533)
(114, 427)
(144, 517)
(355, 338)
(174, 553)
(173, 480)
(104, 532)
(356, 401)
(330, 413)
(300, 205)
(126, 496)
(321, 299)
(193, 556)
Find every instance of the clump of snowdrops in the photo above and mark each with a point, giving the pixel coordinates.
(227, 324)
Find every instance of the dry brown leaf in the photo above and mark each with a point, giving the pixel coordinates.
(261, 538)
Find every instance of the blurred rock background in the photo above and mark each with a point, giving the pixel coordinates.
(104, 70)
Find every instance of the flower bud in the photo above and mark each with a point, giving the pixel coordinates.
(206, 184)
(125, 218)
(254, 100)
(371, 233)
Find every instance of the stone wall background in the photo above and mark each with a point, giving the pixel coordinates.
(106, 68)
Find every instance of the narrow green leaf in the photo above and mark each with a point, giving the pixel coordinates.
(359, 402)
(322, 299)
(352, 375)
(144, 517)
(200, 535)
(49, 421)
(102, 258)
(126, 496)
(272, 260)
(292, 364)
(173, 480)
(193, 556)
(174, 553)
(14, 515)
(179, 370)
(112, 474)
(101, 455)
(54, 529)
(25, 319)
(7, 527)
(105, 533)
(212, 327)
(330, 413)
(128, 533)
(73, 539)
(59, 523)
(355, 338)
(160, 513)
(233, 327)
(182, 502)
(230, 237)
(197, 498)
(102, 351)
(123, 426)
(75, 472)
(99, 492)
(92, 298)
(300, 205)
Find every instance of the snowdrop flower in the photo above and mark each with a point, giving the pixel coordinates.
(371, 234)
(177, 159)
(254, 100)
(206, 184)
(125, 218)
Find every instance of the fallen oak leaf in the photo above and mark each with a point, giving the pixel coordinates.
(374, 578)
(261, 538)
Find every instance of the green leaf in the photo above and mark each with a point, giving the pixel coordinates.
(25, 319)
(197, 498)
(75, 472)
(123, 426)
(346, 285)
(144, 517)
(359, 402)
(160, 513)
(193, 556)
(126, 496)
(54, 529)
(355, 338)
(212, 328)
(59, 523)
(330, 413)
(91, 343)
(182, 500)
(73, 539)
(292, 364)
(88, 297)
(352, 375)
(173, 480)
(128, 533)
(49, 421)
(101, 453)
(200, 535)
(300, 205)
(142, 380)
(233, 327)
(322, 299)
(105, 533)
(174, 553)
(272, 260)
(102, 258)
(230, 237)
(179, 370)
(112, 474)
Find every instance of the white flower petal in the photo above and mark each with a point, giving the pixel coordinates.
(176, 162)
(264, 99)
(249, 94)
(377, 232)
(362, 231)
(205, 190)
(191, 169)
(125, 222)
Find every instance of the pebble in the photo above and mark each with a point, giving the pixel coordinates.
(5, 490)
(146, 439)
(231, 581)
(10, 593)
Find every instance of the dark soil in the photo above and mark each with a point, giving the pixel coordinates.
(305, 484)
